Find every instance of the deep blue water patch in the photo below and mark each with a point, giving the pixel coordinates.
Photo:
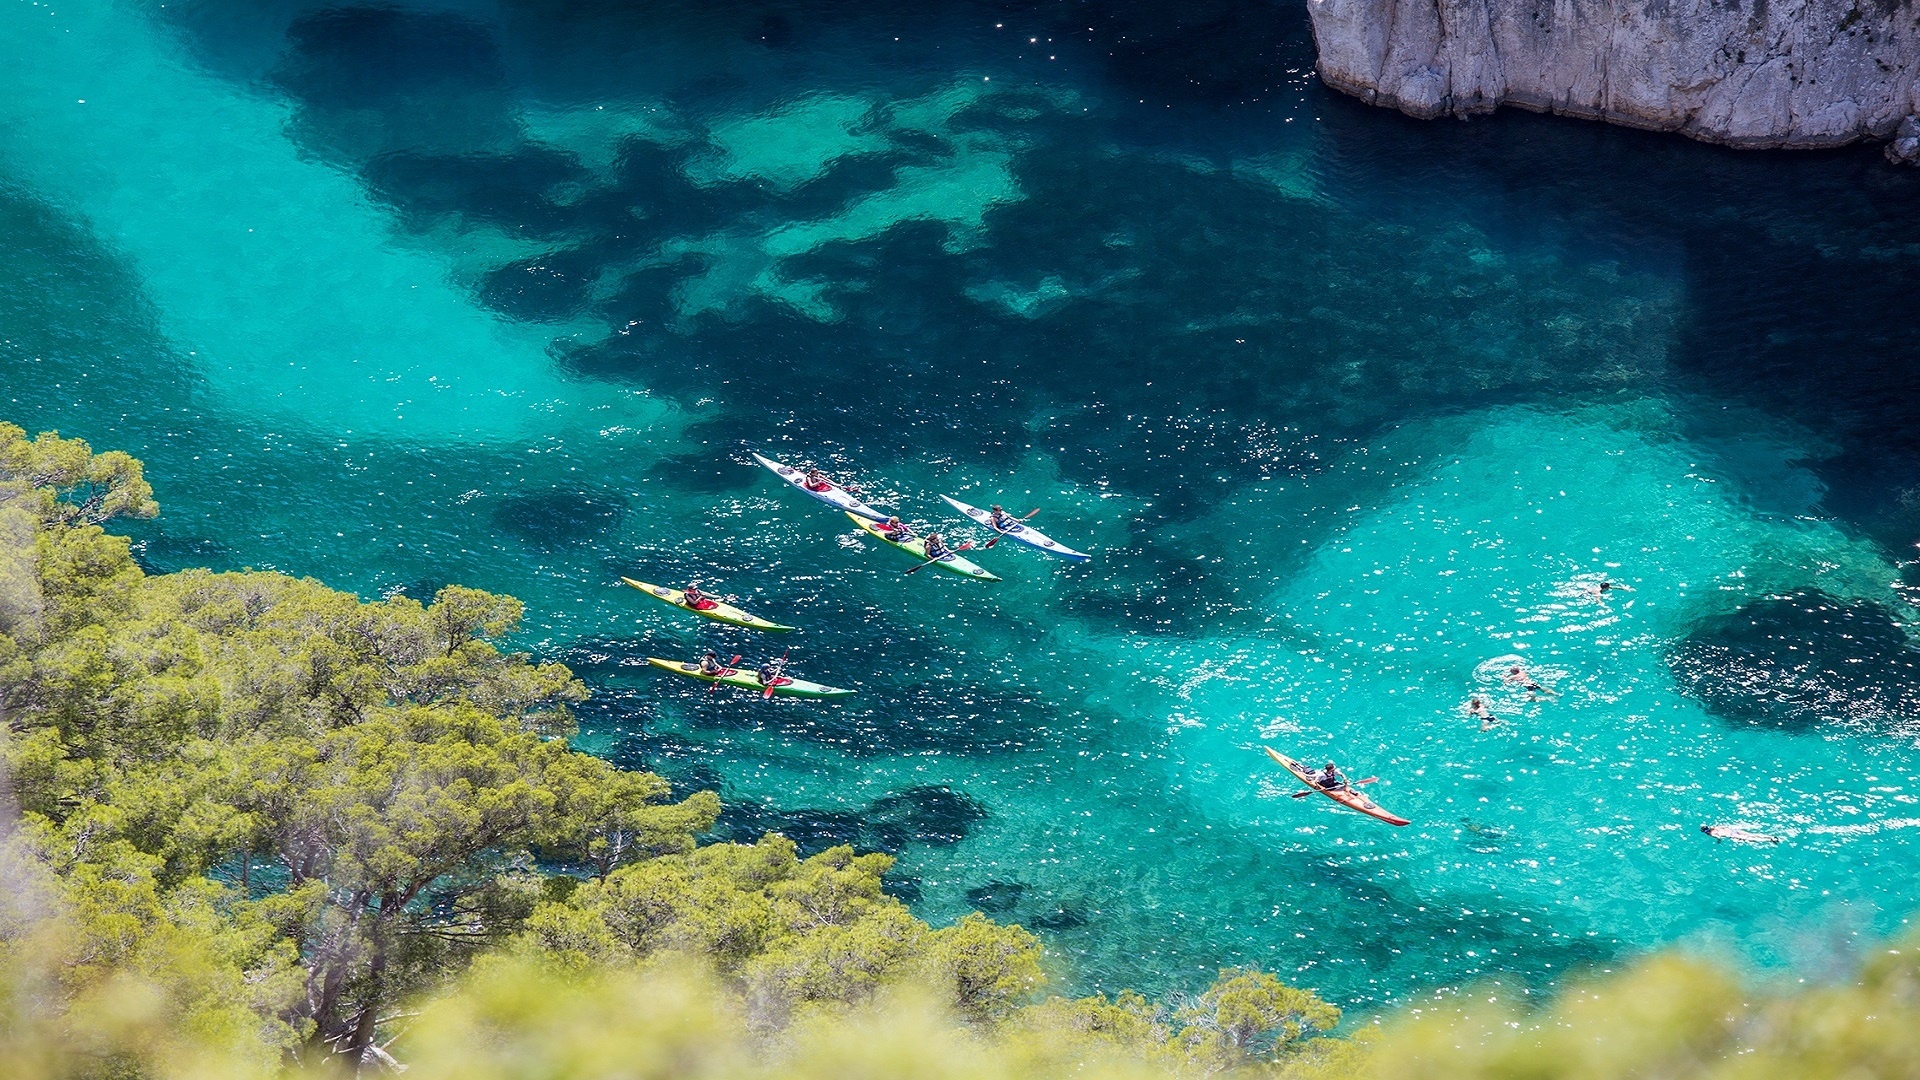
(924, 815)
(558, 517)
(1804, 662)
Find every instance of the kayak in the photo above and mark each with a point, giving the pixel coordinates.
(747, 680)
(1020, 531)
(951, 563)
(719, 612)
(1346, 797)
(835, 495)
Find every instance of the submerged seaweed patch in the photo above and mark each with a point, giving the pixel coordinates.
(552, 518)
(925, 816)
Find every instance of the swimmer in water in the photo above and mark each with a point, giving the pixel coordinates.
(1477, 710)
(1603, 587)
(1517, 676)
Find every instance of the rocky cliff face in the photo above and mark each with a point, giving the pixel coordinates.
(1760, 73)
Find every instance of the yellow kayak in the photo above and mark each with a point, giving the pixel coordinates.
(719, 612)
(952, 563)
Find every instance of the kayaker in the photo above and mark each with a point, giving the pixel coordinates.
(1329, 779)
(817, 481)
(936, 548)
(710, 664)
(1000, 520)
(695, 599)
(770, 672)
(896, 530)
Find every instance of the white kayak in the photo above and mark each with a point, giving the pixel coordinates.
(1026, 534)
(835, 495)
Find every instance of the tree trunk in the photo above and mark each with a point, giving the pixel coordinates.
(360, 1046)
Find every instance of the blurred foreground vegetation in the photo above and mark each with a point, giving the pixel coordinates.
(253, 827)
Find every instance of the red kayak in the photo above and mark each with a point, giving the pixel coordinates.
(1346, 797)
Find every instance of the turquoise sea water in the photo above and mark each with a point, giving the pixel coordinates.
(1353, 410)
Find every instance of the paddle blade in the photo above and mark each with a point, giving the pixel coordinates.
(930, 562)
(1299, 794)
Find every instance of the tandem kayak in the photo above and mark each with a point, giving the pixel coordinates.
(747, 680)
(917, 548)
(835, 495)
(1024, 533)
(1346, 797)
(719, 612)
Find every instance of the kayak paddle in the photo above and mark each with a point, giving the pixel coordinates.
(968, 546)
(777, 668)
(997, 533)
(715, 684)
(1354, 784)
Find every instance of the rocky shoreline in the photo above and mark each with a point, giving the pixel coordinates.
(1744, 73)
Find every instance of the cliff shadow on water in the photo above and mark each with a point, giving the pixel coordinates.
(1796, 268)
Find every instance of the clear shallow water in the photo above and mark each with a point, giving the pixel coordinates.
(1350, 407)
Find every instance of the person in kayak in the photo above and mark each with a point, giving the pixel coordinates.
(1000, 520)
(896, 530)
(710, 664)
(936, 547)
(695, 599)
(1329, 779)
(769, 673)
(817, 481)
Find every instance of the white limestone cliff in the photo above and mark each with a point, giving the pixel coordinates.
(1754, 73)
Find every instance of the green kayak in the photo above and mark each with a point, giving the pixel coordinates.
(747, 680)
(952, 564)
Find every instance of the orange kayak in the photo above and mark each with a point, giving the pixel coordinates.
(1346, 797)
